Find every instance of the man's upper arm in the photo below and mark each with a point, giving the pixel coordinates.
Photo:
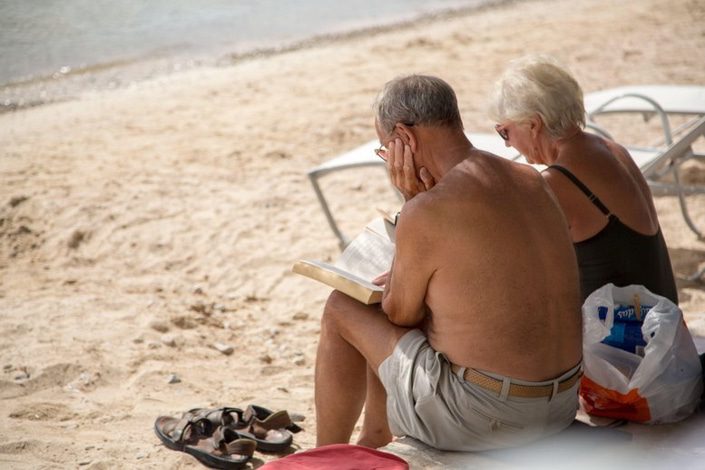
(405, 292)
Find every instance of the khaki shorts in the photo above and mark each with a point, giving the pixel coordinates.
(427, 401)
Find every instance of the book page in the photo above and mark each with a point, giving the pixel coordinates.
(370, 253)
(384, 227)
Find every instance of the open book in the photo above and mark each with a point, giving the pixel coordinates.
(366, 257)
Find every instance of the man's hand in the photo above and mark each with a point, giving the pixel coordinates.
(381, 280)
(402, 171)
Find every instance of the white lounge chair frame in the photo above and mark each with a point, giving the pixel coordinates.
(647, 100)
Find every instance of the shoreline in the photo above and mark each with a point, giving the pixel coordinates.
(68, 83)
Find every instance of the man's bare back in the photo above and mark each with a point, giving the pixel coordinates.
(501, 269)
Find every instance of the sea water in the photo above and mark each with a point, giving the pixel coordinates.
(49, 38)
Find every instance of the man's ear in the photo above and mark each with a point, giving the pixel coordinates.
(407, 135)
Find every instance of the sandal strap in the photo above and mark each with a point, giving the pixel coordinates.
(225, 416)
(264, 415)
(197, 427)
(277, 420)
(219, 416)
(229, 442)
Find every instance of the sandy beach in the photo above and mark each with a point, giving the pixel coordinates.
(143, 228)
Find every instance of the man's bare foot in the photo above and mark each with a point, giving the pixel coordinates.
(374, 440)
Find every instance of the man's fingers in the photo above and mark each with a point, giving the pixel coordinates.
(389, 161)
(392, 163)
(381, 280)
(409, 170)
(399, 155)
(397, 170)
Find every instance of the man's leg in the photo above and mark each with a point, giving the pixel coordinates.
(375, 428)
(353, 335)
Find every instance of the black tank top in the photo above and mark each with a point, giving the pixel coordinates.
(620, 255)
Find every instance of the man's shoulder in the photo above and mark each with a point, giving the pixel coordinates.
(427, 211)
(481, 163)
(485, 174)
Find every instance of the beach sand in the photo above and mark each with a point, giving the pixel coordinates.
(141, 226)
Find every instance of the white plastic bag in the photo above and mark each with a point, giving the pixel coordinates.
(663, 386)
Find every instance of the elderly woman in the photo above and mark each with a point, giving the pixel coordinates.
(607, 203)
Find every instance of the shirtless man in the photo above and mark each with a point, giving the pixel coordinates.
(477, 343)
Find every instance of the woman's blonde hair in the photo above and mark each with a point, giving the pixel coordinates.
(538, 85)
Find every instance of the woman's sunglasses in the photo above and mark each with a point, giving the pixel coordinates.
(502, 132)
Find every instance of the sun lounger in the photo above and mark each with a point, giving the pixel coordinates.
(649, 100)
(672, 99)
(669, 161)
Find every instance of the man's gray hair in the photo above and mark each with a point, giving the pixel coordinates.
(417, 100)
(538, 85)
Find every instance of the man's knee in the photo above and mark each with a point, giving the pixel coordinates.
(336, 304)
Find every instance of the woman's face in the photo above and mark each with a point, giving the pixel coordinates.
(518, 134)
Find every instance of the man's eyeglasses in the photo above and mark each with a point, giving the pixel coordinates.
(381, 152)
(502, 132)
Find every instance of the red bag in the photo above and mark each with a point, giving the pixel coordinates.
(339, 457)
